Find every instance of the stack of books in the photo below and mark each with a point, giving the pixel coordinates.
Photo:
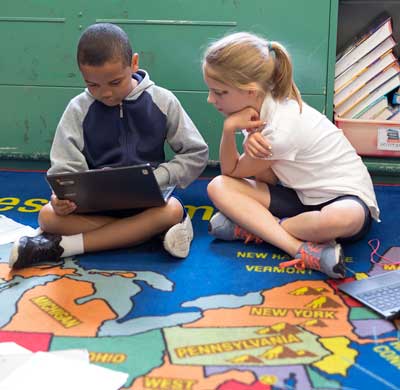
(366, 73)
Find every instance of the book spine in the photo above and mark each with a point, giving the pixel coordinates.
(383, 89)
(371, 39)
(376, 105)
(357, 68)
(369, 88)
(359, 82)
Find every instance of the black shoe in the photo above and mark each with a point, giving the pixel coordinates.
(29, 251)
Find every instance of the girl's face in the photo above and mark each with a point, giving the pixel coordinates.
(227, 99)
(110, 83)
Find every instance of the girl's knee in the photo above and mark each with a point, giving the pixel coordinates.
(348, 222)
(353, 222)
(217, 186)
(211, 187)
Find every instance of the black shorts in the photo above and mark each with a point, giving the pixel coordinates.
(285, 203)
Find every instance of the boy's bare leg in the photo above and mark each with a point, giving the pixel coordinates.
(70, 224)
(102, 233)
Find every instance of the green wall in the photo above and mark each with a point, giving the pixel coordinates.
(38, 73)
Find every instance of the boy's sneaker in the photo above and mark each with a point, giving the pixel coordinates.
(178, 238)
(327, 258)
(29, 251)
(223, 228)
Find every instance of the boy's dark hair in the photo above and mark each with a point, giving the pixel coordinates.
(104, 42)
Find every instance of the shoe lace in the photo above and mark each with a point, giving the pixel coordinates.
(297, 263)
(246, 236)
(305, 260)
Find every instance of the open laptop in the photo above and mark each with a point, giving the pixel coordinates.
(380, 292)
(106, 189)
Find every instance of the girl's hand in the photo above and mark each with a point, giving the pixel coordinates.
(62, 206)
(248, 119)
(256, 146)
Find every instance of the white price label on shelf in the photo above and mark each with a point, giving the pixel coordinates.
(388, 139)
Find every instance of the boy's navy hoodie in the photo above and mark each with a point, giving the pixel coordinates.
(92, 135)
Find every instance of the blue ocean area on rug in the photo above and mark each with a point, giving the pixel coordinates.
(226, 317)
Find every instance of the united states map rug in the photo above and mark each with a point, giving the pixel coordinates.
(225, 318)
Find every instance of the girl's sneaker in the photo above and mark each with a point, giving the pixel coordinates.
(327, 258)
(223, 228)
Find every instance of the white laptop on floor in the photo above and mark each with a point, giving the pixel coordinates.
(380, 292)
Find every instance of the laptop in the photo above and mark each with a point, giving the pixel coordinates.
(380, 292)
(107, 189)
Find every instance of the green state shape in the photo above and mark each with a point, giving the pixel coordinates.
(143, 352)
(320, 382)
(362, 313)
(215, 346)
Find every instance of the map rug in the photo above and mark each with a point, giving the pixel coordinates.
(225, 318)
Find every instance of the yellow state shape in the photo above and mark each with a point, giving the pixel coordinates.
(342, 356)
(361, 275)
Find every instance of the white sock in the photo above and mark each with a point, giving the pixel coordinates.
(73, 245)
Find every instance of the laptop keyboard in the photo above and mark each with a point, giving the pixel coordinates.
(385, 298)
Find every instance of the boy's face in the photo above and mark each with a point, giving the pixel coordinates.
(112, 82)
(227, 99)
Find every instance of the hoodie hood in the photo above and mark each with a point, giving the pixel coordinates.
(144, 83)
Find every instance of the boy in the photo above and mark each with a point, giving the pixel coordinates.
(122, 118)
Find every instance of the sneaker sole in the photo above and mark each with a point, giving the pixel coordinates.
(13, 255)
(339, 267)
(176, 252)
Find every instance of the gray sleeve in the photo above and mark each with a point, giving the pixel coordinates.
(190, 149)
(66, 151)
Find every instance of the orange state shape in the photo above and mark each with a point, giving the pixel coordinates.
(171, 376)
(7, 273)
(85, 319)
(287, 308)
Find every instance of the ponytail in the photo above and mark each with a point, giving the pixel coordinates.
(282, 85)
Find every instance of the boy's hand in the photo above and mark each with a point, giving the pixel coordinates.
(256, 146)
(62, 206)
(248, 119)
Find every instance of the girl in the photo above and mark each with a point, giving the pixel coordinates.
(323, 191)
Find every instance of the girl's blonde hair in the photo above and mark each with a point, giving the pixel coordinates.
(249, 62)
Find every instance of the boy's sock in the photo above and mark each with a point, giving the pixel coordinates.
(72, 245)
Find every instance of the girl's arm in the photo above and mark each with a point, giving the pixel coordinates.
(232, 163)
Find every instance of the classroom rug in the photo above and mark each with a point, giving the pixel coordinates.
(225, 318)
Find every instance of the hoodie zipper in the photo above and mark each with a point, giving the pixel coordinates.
(126, 136)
